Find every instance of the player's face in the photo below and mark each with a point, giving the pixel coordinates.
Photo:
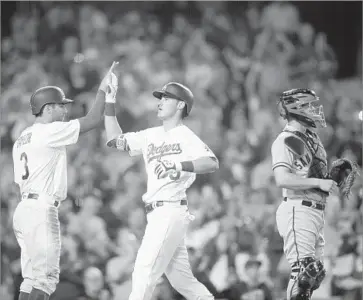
(253, 272)
(59, 112)
(167, 108)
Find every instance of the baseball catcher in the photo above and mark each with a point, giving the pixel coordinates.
(301, 170)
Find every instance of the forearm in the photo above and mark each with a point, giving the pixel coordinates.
(94, 116)
(112, 126)
(294, 182)
(95, 113)
(201, 165)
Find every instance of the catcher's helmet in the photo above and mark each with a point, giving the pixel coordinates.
(297, 104)
(177, 91)
(47, 95)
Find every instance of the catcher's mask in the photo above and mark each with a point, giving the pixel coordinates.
(298, 104)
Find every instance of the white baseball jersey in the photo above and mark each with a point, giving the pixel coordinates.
(177, 145)
(40, 157)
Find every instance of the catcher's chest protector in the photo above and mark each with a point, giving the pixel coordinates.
(315, 158)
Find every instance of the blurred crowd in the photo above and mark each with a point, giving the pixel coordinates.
(236, 59)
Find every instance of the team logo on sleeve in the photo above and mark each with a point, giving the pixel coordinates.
(156, 152)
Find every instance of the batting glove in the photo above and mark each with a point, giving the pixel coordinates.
(112, 89)
(165, 168)
(106, 81)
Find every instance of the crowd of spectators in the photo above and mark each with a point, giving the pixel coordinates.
(236, 59)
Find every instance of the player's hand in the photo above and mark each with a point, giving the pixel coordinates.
(328, 185)
(164, 168)
(112, 89)
(106, 81)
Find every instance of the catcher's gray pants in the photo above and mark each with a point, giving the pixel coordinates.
(302, 229)
(37, 230)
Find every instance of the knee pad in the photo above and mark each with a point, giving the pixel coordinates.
(301, 297)
(310, 276)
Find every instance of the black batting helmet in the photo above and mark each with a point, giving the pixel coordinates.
(47, 95)
(177, 91)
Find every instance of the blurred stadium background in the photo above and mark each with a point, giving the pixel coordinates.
(236, 57)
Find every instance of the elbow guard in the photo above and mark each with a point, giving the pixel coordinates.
(119, 143)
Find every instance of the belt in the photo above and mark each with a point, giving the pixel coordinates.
(311, 204)
(151, 206)
(36, 196)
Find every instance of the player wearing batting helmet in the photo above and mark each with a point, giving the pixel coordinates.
(47, 95)
(177, 91)
(173, 155)
(40, 170)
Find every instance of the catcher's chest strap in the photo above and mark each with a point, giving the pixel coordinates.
(308, 140)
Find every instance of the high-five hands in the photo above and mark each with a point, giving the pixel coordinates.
(112, 89)
(109, 78)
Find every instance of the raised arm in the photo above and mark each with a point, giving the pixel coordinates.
(95, 114)
(113, 129)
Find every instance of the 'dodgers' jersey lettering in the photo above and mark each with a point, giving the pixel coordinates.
(156, 152)
(40, 159)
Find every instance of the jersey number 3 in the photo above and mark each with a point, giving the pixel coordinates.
(24, 159)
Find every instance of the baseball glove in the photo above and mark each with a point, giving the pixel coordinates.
(343, 172)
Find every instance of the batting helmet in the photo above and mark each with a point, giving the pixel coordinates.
(177, 91)
(47, 95)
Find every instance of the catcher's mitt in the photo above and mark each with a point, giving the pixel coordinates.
(343, 172)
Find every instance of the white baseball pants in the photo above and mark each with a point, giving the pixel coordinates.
(37, 230)
(163, 250)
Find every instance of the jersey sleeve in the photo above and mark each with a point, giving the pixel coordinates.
(132, 142)
(281, 156)
(198, 147)
(58, 134)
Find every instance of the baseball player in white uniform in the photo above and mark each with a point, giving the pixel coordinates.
(173, 155)
(40, 170)
(300, 168)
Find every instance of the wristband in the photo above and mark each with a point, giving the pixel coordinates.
(110, 109)
(187, 166)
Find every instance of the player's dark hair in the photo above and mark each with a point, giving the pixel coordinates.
(185, 111)
(42, 110)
